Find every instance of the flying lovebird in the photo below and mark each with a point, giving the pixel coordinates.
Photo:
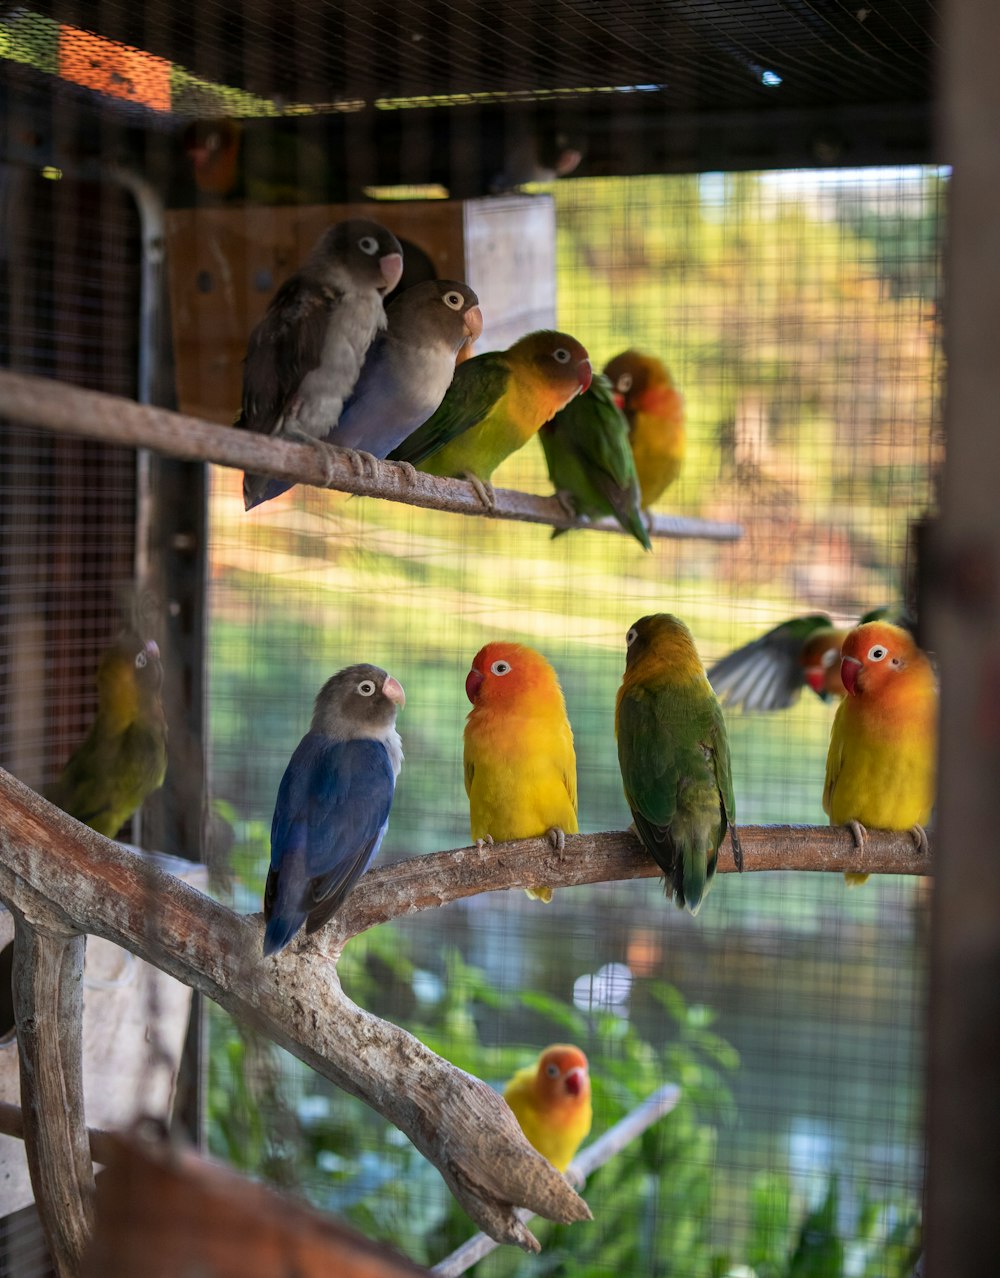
(407, 370)
(333, 803)
(496, 402)
(674, 757)
(520, 764)
(304, 357)
(590, 460)
(654, 408)
(880, 767)
(551, 1100)
(123, 758)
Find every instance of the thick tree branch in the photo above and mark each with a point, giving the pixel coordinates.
(39, 401)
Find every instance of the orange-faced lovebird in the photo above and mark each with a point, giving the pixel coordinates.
(590, 462)
(407, 370)
(123, 758)
(520, 765)
(551, 1100)
(674, 757)
(305, 355)
(881, 762)
(769, 673)
(654, 408)
(333, 803)
(496, 402)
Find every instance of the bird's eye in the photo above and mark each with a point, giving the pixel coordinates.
(500, 667)
(624, 383)
(829, 657)
(454, 299)
(366, 687)
(552, 1070)
(877, 652)
(140, 660)
(368, 244)
(561, 355)
(631, 637)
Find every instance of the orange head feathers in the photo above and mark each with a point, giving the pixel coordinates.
(562, 1077)
(821, 661)
(551, 1101)
(507, 676)
(879, 660)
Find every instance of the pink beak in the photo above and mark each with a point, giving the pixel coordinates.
(584, 374)
(850, 668)
(575, 1080)
(473, 322)
(393, 689)
(473, 682)
(391, 267)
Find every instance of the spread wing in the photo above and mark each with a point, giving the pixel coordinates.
(766, 674)
(476, 387)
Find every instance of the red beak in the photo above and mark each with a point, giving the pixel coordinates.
(814, 678)
(584, 374)
(619, 400)
(575, 1080)
(850, 668)
(473, 682)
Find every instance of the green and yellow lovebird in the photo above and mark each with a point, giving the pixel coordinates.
(494, 405)
(590, 460)
(123, 758)
(674, 757)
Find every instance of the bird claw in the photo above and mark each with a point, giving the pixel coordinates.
(919, 836)
(485, 841)
(484, 490)
(364, 465)
(409, 472)
(566, 501)
(859, 834)
(557, 838)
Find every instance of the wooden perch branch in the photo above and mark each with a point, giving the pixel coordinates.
(40, 401)
(592, 1156)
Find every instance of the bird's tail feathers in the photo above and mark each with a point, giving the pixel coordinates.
(279, 932)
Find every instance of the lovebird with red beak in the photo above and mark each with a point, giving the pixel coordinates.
(333, 803)
(551, 1101)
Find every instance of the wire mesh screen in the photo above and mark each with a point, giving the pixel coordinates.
(798, 312)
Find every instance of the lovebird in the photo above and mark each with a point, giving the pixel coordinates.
(590, 461)
(123, 758)
(674, 757)
(520, 764)
(496, 402)
(880, 767)
(333, 803)
(407, 370)
(551, 1101)
(654, 408)
(304, 357)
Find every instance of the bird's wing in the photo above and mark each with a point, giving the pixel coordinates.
(285, 346)
(766, 674)
(476, 387)
(650, 773)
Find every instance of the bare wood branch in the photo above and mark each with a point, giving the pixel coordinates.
(39, 401)
(592, 1156)
(421, 883)
(12, 1124)
(47, 986)
(458, 1122)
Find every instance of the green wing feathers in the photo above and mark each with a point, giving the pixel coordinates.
(479, 383)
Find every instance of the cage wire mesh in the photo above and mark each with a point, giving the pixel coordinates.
(798, 312)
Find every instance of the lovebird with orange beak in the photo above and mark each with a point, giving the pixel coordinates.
(880, 767)
(551, 1101)
(674, 757)
(520, 764)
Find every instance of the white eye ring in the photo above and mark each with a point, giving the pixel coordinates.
(454, 299)
(878, 652)
(829, 657)
(500, 667)
(366, 687)
(631, 637)
(561, 355)
(624, 383)
(552, 1069)
(140, 660)
(368, 244)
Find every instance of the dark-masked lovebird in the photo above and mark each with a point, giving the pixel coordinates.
(883, 744)
(333, 803)
(654, 408)
(305, 355)
(590, 461)
(123, 758)
(496, 402)
(407, 370)
(674, 757)
(520, 765)
(769, 672)
(551, 1101)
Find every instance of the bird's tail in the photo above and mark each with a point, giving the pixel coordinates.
(543, 894)
(855, 880)
(692, 877)
(279, 932)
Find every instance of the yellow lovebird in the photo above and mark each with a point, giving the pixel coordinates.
(883, 743)
(520, 765)
(551, 1101)
(654, 409)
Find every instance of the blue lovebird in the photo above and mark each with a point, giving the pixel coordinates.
(333, 803)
